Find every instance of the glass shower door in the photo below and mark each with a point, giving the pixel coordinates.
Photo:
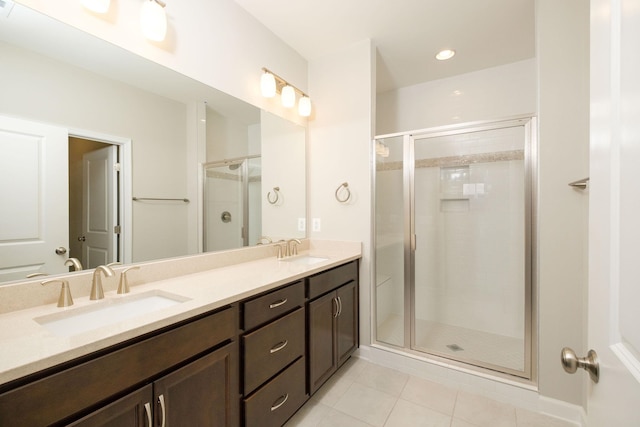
(391, 227)
(471, 225)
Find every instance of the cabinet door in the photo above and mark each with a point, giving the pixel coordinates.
(347, 322)
(133, 410)
(322, 362)
(203, 393)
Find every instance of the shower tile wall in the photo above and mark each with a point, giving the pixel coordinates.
(465, 276)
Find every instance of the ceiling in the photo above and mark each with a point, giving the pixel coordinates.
(406, 33)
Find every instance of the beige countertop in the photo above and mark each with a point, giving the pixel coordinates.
(28, 347)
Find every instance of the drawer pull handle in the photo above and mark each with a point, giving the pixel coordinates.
(147, 410)
(335, 301)
(277, 405)
(278, 304)
(339, 306)
(279, 346)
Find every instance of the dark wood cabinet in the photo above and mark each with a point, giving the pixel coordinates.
(95, 384)
(273, 362)
(203, 392)
(332, 323)
(133, 410)
(201, 372)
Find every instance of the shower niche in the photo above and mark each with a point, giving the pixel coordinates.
(453, 236)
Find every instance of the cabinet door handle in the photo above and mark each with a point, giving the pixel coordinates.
(335, 300)
(339, 306)
(147, 410)
(279, 346)
(162, 413)
(277, 405)
(278, 303)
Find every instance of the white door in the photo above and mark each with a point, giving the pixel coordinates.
(99, 207)
(34, 204)
(614, 213)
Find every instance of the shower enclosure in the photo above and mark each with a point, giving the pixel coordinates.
(232, 209)
(453, 243)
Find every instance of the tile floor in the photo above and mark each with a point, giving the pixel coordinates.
(363, 394)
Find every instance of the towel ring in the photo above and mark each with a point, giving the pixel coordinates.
(276, 192)
(346, 188)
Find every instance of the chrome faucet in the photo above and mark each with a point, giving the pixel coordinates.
(292, 246)
(97, 292)
(75, 263)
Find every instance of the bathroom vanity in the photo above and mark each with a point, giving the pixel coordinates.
(228, 354)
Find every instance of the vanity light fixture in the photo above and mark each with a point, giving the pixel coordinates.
(271, 84)
(445, 54)
(304, 106)
(268, 85)
(153, 20)
(97, 6)
(288, 96)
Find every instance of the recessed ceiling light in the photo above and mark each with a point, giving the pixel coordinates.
(445, 54)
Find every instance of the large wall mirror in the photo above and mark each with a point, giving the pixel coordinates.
(107, 156)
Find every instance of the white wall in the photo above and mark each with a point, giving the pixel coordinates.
(36, 88)
(283, 144)
(213, 41)
(492, 93)
(340, 133)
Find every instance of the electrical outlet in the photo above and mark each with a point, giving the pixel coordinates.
(316, 224)
(302, 224)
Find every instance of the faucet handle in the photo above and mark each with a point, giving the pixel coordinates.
(65, 299)
(123, 286)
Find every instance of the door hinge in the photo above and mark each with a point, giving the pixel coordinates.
(116, 229)
(116, 167)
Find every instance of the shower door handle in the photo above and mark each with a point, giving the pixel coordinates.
(413, 242)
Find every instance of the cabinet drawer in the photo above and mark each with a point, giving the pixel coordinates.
(329, 280)
(262, 309)
(269, 349)
(279, 399)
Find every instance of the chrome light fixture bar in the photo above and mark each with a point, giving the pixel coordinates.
(271, 84)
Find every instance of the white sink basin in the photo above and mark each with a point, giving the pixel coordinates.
(107, 312)
(305, 260)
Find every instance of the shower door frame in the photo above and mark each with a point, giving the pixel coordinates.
(530, 207)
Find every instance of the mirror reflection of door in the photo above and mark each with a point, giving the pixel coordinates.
(33, 211)
(93, 202)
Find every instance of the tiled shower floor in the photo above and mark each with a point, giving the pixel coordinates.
(461, 343)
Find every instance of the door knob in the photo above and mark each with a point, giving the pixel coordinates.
(571, 363)
(61, 250)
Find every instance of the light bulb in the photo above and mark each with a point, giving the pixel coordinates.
(98, 6)
(268, 85)
(153, 20)
(288, 96)
(304, 106)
